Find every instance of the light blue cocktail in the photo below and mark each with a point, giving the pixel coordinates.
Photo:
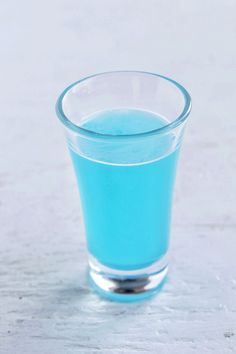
(124, 147)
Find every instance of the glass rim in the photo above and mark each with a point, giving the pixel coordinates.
(89, 133)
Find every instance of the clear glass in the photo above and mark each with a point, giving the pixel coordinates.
(124, 130)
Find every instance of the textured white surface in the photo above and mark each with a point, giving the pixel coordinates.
(46, 305)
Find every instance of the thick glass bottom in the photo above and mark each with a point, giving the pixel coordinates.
(120, 285)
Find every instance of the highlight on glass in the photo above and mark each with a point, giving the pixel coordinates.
(124, 131)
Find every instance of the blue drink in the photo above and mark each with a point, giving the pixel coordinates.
(126, 207)
(124, 130)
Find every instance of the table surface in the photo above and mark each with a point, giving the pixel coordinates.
(46, 305)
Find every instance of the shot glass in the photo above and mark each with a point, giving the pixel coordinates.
(124, 130)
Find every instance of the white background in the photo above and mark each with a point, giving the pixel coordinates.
(46, 305)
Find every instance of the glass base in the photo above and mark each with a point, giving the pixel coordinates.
(131, 285)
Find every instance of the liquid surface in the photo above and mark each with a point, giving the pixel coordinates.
(123, 122)
(126, 208)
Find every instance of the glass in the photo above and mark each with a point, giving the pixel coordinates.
(124, 130)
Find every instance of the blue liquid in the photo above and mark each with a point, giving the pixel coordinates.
(126, 207)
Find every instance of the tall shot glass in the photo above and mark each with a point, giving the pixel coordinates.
(124, 130)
